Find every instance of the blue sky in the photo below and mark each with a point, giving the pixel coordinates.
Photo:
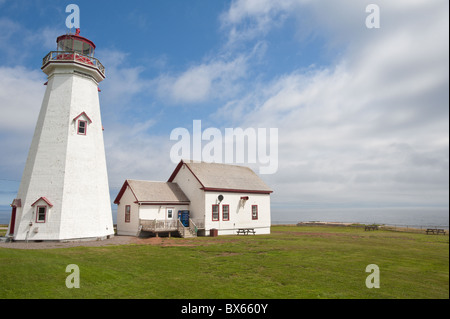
(362, 114)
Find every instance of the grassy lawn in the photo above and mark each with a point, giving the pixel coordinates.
(292, 262)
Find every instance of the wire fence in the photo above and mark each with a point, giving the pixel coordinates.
(390, 227)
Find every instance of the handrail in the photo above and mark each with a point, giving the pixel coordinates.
(181, 228)
(199, 223)
(73, 56)
(192, 227)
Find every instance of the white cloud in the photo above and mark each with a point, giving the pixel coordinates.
(248, 19)
(132, 153)
(15, 37)
(124, 82)
(21, 93)
(214, 78)
(371, 128)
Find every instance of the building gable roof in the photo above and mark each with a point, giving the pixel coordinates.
(224, 177)
(147, 192)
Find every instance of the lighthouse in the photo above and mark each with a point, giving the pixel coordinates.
(64, 193)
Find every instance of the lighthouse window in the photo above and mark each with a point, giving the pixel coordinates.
(82, 125)
(40, 215)
(78, 46)
(65, 45)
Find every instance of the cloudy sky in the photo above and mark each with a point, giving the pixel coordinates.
(362, 113)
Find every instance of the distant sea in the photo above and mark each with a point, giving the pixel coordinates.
(401, 217)
(416, 217)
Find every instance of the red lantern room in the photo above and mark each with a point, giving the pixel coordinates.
(75, 43)
(73, 48)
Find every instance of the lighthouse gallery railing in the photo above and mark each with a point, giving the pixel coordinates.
(75, 57)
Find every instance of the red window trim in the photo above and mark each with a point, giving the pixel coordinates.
(218, 213)
(253, 217)
(85, 127)
(223, 218)
(37, 214)
(127, 214)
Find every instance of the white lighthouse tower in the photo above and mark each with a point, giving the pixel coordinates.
(64, 193)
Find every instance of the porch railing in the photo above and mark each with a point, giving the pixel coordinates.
(158, 225)
(155, 225)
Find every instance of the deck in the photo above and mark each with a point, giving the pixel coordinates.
(167, 226)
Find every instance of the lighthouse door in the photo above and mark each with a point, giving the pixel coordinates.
(12, 224)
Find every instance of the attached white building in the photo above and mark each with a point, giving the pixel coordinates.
(141, 201)
(218, 196)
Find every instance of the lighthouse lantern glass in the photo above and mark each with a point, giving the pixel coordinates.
(65, 45)
(73, 44)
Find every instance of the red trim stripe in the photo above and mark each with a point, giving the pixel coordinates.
(230, 190)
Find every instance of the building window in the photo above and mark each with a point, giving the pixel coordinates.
(82, 127)
(215, 212)
(225, 212)
(169, 213)
(254, 211)
(41, 214)
(127, 213)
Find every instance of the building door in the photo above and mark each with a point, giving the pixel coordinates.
(183, 216)
(12, 224)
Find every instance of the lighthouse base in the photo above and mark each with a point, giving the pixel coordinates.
(71, 240)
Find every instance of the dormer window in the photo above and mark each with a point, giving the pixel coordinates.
(42, 207)
(41, 214)
(82, 121)
(82, 126)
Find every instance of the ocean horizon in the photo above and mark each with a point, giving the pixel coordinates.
(415, 217)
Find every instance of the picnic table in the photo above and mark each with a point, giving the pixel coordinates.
(371, 227)
(246, 231)
(435, 231)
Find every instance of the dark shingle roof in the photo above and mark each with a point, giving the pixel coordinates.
(154, 192)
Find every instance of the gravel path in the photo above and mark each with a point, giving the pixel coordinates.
(116, 240)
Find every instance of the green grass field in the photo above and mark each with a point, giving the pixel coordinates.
(292, 262)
